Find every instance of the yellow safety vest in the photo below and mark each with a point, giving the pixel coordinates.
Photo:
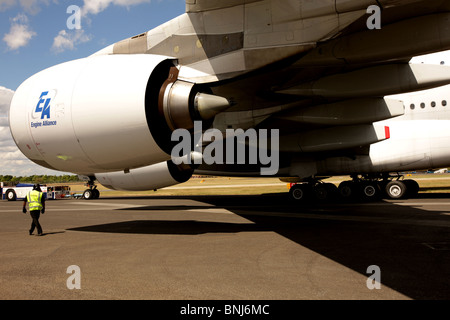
(34, 199)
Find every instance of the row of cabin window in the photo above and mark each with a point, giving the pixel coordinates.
(433, 104)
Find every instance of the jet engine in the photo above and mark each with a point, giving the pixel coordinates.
(107, 113)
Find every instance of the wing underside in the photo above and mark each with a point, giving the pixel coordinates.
(206, 5)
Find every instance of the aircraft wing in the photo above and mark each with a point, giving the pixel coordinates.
(206, 5)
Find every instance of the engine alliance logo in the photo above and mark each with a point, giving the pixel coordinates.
(42, 111)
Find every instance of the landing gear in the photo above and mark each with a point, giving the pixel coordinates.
(364, 188)
(92, 192)
(314, 190)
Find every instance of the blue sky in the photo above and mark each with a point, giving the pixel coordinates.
(39, 22)
(34, 35)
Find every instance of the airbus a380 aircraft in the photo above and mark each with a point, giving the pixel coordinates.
(307, 82)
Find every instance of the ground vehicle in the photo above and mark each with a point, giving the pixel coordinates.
(58, 192)
(11, 191)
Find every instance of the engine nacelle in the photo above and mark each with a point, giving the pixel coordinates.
(157, 176)
(106, 113)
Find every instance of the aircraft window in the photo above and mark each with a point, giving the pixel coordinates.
(433, 104)
(412, 106)
(444, 103)
(422, 105)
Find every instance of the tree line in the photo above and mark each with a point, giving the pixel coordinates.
(42, 179)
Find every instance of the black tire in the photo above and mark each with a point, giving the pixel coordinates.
(347, 190)
(88, 194)
(10, 195)
(300, 193)
(325, 192)
(382, 186)
(412, 188)
(396, 189)
(370, 191)
(96, 193)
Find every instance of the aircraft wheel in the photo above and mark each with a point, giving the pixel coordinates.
(412, 188)
(325, 192)
(347, 190)
(88, 194)
(299, 192)
(96, 193)
(370, 190)
(321, 192)
(396, 189)
(382, 187)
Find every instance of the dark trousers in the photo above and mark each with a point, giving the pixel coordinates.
(35, 224)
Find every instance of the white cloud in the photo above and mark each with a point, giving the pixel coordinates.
(20, 33)
(24, 168)
(6, 4)
(5, 135)
(5, 99)
(29, 6)
(9, 153)
(97, 6)
(68, 40)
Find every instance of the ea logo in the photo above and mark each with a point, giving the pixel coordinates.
(42, 109)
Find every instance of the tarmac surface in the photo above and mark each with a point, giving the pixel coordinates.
(227, 248)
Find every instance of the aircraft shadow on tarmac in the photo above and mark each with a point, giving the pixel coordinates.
(51, 233)
(411, 246)
(180, 227)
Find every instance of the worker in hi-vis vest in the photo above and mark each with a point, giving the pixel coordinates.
(36, 204)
